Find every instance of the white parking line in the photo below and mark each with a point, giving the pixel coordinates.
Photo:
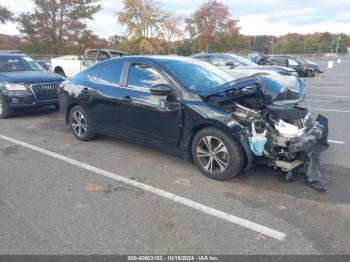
(330, 110)
(162, 193)
(336, 141)
(323, 100)
(328, 88)
(328, 95)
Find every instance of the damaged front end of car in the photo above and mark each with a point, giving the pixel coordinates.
(280, 132)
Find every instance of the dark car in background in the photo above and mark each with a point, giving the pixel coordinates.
(198, 111)
(24, 83)
(240, 67)
(305, 68)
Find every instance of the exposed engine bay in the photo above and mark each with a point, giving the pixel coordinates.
(281, 133)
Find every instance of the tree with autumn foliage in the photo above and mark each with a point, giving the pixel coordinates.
(143, 18)
(5, 15)
(212, 23)
(171, 31)
(57, 23)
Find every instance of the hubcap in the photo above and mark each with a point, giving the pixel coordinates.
(212, 154)
(1, 107)
(79, 124)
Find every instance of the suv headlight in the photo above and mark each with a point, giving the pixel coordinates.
(15, 87)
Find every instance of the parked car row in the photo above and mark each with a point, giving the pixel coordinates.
(240, 67)
(185, 106)
(304, 67)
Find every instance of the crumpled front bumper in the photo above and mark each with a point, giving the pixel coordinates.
(307, 147)
(315, 137)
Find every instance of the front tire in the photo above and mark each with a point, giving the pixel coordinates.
(80, 124)
(4, 110)
(217, 155)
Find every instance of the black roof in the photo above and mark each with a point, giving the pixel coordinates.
(156, 59)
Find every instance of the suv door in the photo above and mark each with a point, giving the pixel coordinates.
(101, 95)
(147, 117)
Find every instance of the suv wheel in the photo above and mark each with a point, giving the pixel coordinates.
(80, 124)
(216, 154)
(4, 110)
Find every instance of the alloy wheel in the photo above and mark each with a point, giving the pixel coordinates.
(79, 124)
(212, 154)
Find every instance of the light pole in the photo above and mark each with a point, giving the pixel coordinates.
(336, 49)
(254, 43)
(272, 47)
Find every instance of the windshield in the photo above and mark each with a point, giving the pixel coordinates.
(198, 76)
(300, 60)
(18, 63)
(242, 61)
(116, 54)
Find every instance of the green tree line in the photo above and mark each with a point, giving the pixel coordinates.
(58, 27)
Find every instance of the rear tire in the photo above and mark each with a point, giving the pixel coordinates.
(217, 155)
(80, 124)
(5, 112)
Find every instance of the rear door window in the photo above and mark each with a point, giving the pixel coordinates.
(279, 60)
(110, 74)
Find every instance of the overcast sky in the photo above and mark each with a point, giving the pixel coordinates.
(256, 17)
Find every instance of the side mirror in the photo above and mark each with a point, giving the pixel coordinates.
(161, 90)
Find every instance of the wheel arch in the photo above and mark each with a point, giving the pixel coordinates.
(243, 143)
(68, 110)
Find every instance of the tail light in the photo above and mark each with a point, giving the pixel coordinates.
(60, 88)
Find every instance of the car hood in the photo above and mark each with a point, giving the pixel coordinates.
(30, 77)
(263, 68)
(277, 90)
(266, 67)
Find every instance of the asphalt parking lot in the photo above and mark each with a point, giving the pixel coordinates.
(51, 202)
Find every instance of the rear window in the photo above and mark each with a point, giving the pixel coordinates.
(18, 63)
(110, 73)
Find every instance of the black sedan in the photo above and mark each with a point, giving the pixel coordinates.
(24, 83)
(198, 111)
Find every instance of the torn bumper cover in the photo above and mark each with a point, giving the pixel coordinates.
(308, 149)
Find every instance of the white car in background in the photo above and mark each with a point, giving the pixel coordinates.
(240, 67)
(70, 65)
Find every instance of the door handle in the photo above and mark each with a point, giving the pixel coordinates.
(127, 99)
(85, 90)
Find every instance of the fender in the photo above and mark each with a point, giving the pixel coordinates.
(205, 116)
